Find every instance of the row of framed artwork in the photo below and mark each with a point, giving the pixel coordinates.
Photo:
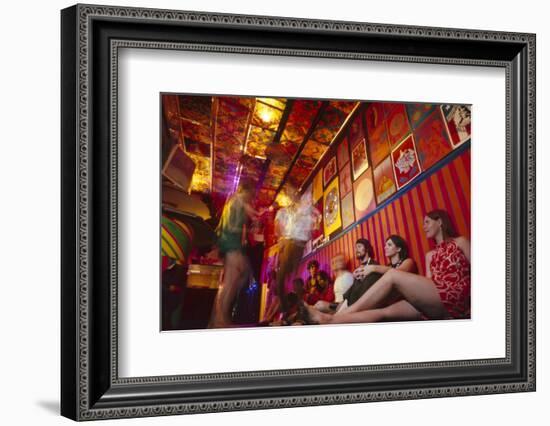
(386, 147)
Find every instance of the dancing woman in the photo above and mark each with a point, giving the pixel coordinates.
(444, 292)
(236, 267)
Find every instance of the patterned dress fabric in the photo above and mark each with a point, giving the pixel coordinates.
(451, 274)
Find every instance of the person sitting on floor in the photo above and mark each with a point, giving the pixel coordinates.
(343, 278)
(396, 250)
(313, 279)
(323, 290)
(364, 253)
(444, 293)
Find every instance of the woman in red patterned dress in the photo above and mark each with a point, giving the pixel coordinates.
(444, 293)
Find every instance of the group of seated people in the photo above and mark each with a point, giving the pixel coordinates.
(390, 292)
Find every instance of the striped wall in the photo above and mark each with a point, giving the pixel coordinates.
(446, 187)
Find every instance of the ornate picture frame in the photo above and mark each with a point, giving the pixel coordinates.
(91, 37)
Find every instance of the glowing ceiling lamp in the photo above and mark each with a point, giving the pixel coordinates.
(264, 112)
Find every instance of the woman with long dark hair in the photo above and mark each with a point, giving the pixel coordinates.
(444, 292)
(396, 250)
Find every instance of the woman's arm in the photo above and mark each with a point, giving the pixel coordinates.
(428, 261)
(464, 245)
(407, 266)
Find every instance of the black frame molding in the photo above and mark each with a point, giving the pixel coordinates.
(90, 38)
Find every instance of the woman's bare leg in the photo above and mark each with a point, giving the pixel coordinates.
(234, 268)
(272, 309)
(419, 291)
(399, 311)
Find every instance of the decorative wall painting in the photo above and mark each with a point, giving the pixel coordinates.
(405, 162)
(359, 160)
(379, 147)
(345, 180)
(363, 194)
(342, 153)
(418, 112)
(397, 122)
(432, 141)
(384, 181)
(355, 130)
(459, 121)
(317, 191)
(332, 219)
(348, 211)
(330, 170)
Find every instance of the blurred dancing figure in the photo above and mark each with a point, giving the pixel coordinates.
(236, 267)
(273, 302)
(293, 226)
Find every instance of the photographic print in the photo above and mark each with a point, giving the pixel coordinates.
(233, 199)
(210, 238)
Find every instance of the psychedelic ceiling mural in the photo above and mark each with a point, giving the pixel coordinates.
(271, 141)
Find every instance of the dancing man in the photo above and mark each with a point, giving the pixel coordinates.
(293, 225)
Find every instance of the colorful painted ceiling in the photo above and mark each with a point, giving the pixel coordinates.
(273, 142)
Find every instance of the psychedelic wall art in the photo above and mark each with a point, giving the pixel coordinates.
(363, 194)
(330, 170)
(397, 122)
(317, 191)
(345, 180)
(332, 219)
(376, 132)
(432, 140)
(359, 160)
(405, 162)
(342, 153)
(418, 112)
(348, 211)
(459, 122)
(355, 131)
(384, 183)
